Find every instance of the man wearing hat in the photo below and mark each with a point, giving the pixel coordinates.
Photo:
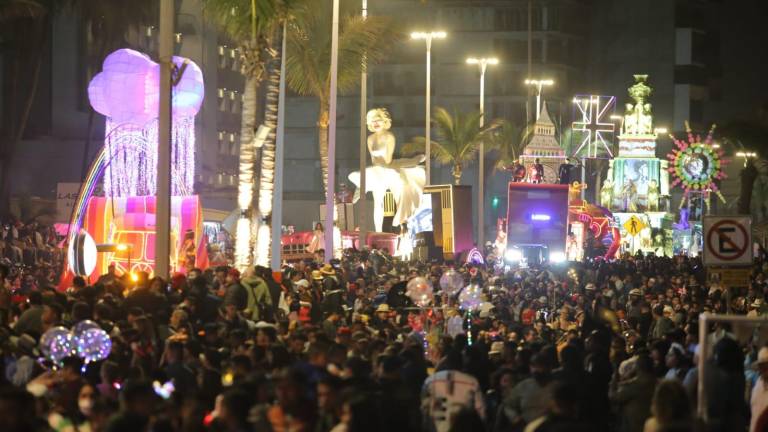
(759, 399)
(382, 320)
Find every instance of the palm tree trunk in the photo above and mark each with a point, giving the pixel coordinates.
(267, 177)
(748, 176)
(246, 168)
(322, 130)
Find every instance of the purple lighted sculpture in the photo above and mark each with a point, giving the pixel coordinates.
(127, 93)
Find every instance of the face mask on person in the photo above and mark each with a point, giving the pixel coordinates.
(85, 405)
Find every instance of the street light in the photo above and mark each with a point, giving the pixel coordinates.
(427, 37)
(538, 84)
(483, 64)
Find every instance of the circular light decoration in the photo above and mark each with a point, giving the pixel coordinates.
(82, 254)
(696, 164)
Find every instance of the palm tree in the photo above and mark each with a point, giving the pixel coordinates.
(752, 135)
(286, 12)
(508, 141)
(248, 23)
(458, 137)
(309, 48)
(107, 23)
(24, 33)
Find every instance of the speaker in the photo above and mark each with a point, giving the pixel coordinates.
(451, 218)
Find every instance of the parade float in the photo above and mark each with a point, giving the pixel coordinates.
(636, 188)
(696, 165)
(119, 227)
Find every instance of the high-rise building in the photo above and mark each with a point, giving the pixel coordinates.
(58, 131)
(474, 29)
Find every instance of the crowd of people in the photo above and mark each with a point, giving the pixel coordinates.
(593, 346)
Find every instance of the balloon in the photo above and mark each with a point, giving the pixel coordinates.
(419, 290)
(451, 282)
(61, 346)
(94, 345)
(47, 338)
(470, 297)
(80, 328)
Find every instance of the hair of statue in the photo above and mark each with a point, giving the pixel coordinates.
(383, 113)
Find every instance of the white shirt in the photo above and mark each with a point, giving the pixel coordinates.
(758, 402)
(445, 393)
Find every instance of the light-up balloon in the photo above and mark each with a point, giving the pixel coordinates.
(470, 297)
(420, 291)
(84, 325)
(94, 345)
(61, 346)
(48, 337)
(451, 282)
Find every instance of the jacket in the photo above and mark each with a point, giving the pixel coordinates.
(258, 297)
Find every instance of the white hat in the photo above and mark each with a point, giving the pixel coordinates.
(668, 309)
(590, 287)
(757, 303)
(496, 348)
(302, 283)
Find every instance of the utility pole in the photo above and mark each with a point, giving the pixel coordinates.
(530, 62)
(163, 204)
(330, 202)
(363, 204)
(277, 195)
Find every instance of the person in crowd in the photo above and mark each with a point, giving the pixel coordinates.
(670, 408)
(340, 346)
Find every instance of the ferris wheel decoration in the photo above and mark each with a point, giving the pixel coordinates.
(696, 164)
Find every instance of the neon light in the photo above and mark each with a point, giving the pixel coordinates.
(540, 217)
(697, 164)
(595, 124)
(127, 93)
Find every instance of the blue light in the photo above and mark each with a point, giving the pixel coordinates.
(540, 217)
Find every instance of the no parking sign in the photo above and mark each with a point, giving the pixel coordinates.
(727, 240)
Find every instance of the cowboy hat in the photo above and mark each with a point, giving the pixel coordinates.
(316, 275)
(496, 348)
(328, 270)
(382, 308)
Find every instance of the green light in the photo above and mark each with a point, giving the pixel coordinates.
(495, 202)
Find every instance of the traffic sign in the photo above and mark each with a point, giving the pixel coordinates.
(731, 277)
(634, 225)
(727, 240)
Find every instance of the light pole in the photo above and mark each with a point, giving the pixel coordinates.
(427, 37)
(330, 204)
(483, 64)
(163, 203)
(538, 84)
(362, 235)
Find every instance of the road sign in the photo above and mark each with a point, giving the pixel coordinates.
(727, 240)
(634, 225)
(731, 277)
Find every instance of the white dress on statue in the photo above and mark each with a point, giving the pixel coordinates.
(405, 178)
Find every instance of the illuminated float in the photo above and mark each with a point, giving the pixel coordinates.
(696, 165)
(122, 222)
(637, 183)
